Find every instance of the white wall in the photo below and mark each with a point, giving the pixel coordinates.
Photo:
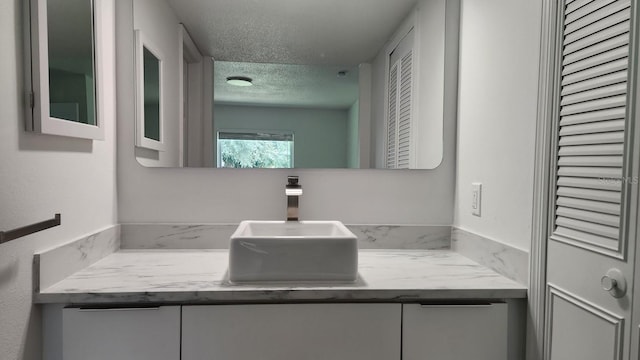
(364, 115)
(430, 100)
(39, 176)
(160, 25)
(353, 137)
(378, 130)
(229, 196)
(499, 56)
(320, 135)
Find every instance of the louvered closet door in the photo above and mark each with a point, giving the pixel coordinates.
(404, 111)
(392, 123)
(588, 209)
(400, 116)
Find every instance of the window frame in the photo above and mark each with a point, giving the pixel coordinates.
(256, 132)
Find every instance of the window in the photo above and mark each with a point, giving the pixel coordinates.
(255, 149)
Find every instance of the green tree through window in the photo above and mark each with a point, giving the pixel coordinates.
(255, 150)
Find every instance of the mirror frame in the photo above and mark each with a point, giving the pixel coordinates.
(37, 112)
(142, 42)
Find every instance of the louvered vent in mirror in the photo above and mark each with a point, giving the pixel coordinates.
(392, 122)
(591, 129)
(400, 113)
(404, 112)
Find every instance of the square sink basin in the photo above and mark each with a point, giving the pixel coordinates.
(324, 251)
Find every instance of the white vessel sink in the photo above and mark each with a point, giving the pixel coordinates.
(323, 251)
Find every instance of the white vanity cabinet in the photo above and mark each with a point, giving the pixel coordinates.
(454, 332)
(121, 334)
(356, 331)
(292, 331)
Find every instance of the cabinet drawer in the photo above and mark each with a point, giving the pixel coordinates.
(292, 331)
(121, 334)
(454, 332)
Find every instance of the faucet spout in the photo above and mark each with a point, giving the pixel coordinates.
(293, 191)
(292, 208)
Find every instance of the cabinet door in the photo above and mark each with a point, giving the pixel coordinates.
(292, 331)
(454, 332)
(121, 334)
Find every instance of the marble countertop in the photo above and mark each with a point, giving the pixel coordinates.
(200, 276)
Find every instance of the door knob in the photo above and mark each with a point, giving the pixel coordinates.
(614, 283)
(608, 283)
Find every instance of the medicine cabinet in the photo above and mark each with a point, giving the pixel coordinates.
(65, 79)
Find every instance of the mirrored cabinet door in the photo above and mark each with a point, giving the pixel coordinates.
(149, 113)
(65, 75)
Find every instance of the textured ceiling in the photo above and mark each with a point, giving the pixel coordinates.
(287, 85)
(328, 32)
(317, 38)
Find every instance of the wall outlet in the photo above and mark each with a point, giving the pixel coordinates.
(476, 199)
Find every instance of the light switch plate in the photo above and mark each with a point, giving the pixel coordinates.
(476, 199)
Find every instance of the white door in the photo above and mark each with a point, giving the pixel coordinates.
(292, 331)
(591, 243)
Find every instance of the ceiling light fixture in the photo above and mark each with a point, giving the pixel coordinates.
(239, 81)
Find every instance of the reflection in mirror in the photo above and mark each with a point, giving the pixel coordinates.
(327, 78)
(316, 103)
(149, 95)
(71, 65)
(64, 51)
(255, 149)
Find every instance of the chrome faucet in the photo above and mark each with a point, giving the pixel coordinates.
(293, 190)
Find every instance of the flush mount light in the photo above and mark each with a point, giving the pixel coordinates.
(239, 81)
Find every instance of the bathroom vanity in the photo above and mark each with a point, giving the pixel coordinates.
(368, 331)
(178, 304)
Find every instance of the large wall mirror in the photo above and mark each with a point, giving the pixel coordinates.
(300, 83)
